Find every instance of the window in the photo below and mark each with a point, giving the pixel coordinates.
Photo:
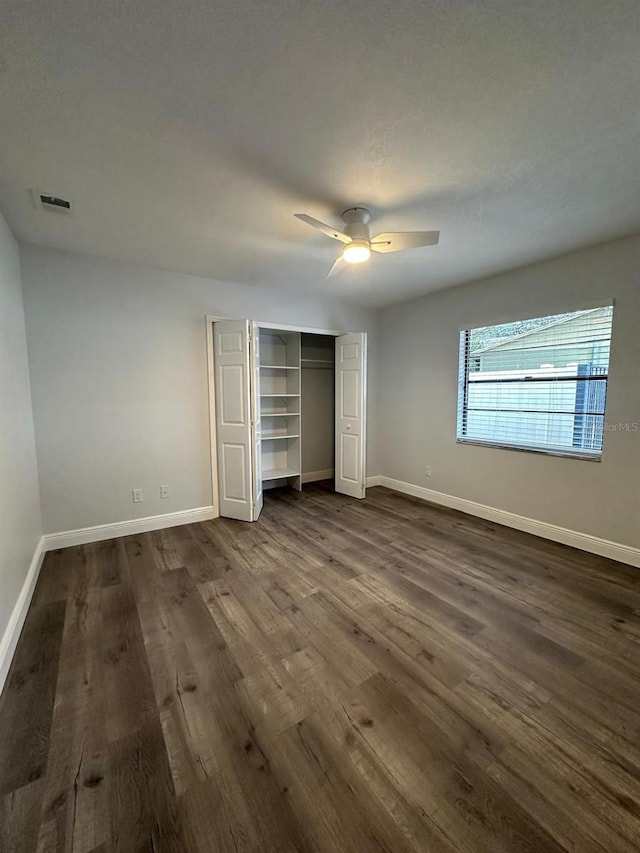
(537, 384)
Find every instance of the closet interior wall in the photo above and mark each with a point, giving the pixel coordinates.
(317, 406)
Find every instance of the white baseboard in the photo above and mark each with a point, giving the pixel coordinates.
(16, 620)
(314, 476)
(374, 481)
(584, 541)
(133, 526)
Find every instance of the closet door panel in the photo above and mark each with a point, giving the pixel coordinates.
(233, 480)
(351, 354)
(233, 418)
(256, 433)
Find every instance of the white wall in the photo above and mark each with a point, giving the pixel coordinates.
(20, 522)
(418, 390)
(119, 378)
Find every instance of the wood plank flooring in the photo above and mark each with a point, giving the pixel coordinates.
(345, 676)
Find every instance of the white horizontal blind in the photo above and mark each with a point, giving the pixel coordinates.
(537, 384)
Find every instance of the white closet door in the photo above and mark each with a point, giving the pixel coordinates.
(233, 418)
(351, 377)
(256, 446)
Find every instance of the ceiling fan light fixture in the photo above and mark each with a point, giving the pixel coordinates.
(357, 240)
(356, 252)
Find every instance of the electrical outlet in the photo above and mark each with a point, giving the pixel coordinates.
(138, 497)
(427, 470)
(164, 492)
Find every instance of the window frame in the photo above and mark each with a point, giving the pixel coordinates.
(463, 400)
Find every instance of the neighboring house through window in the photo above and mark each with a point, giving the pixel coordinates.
(538, 384)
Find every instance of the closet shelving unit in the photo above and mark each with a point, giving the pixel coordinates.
(280, 408)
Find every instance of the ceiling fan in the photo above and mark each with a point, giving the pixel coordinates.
(358, 245)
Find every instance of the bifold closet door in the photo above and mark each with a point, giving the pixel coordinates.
(235, 434)
(351, 364)
(256, 421)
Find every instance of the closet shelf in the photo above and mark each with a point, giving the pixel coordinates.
(280, 473)
(324, 361)
(279, 367)
(279, 395)
(273, 436)
(280, 414)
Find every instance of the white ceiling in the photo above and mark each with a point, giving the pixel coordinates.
(188, 133)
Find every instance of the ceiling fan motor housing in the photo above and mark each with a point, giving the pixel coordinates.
(356, 225)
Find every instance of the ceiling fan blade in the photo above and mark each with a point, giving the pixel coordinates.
(400, 240)
(326, 229)
(337, 268)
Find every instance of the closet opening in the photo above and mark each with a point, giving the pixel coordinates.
(288, 408)
(297, 408)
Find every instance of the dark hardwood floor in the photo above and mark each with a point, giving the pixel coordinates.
(346, 676)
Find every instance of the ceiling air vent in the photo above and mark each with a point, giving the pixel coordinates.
(44, 201)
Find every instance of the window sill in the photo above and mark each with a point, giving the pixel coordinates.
(545, 451)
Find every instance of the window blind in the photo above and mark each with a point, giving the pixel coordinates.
(537, 384)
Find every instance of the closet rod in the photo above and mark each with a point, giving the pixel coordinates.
(317, 363)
